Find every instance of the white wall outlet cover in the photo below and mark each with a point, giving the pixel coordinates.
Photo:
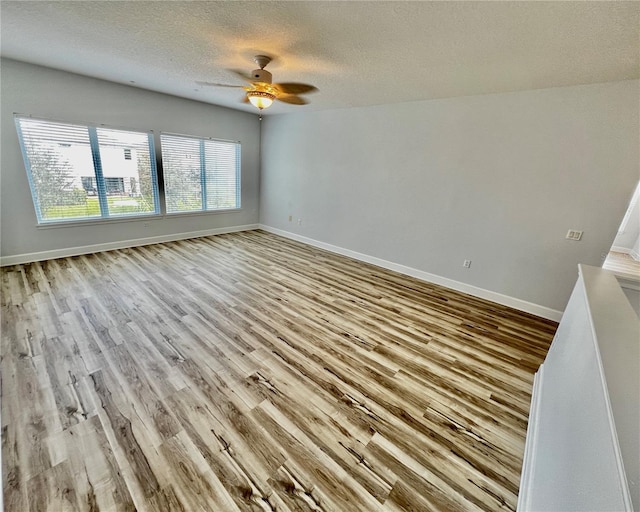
(574, 234)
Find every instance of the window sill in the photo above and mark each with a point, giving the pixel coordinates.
(200, 213)
(140, 218)
(97, 220)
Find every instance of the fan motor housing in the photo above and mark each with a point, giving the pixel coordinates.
(261, 75)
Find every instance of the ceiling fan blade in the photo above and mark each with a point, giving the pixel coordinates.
(215, 84)
(295, 88)
(292, 99)
(245, 76)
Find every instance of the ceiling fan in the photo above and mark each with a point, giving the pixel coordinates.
(261, 92)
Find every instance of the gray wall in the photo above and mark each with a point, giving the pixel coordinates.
(496, 179)
(57, 95)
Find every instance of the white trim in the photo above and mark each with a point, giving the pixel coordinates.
(529, 459)
(121, 244)
(505, 300)
(634, 255)
(617, 453)
(1, 493)
(94, 221)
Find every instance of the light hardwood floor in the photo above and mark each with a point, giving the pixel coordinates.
(250, 372)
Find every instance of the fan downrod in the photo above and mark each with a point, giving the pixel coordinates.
(262, 60)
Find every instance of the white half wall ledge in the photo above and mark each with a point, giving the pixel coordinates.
(505, 300)
(120, 244)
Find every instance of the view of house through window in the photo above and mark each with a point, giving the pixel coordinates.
(84, 172)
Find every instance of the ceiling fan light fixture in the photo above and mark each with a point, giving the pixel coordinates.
(261, 92)
(261, 99)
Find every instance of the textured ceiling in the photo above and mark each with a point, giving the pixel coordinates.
(356, 53)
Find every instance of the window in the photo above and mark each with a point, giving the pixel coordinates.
(89, 185)
(114, 186)
(76, 172)
(200, 174)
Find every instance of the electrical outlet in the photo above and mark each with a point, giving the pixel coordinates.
(466, 263)
(574, 234)
(299, 222)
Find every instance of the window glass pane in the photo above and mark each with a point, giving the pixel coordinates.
(181, 167)
(200, 174)
(82, 172)
(60, 167)
(127, 170)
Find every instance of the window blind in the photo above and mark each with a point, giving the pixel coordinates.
(200, 174)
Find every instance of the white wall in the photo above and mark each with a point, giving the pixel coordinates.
(496, 179)
(626, 239)
(57, 95)
(635, 249)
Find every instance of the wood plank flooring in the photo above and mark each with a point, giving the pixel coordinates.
(250, 372)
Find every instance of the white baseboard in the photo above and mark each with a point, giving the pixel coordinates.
(499, 298)
(505, 300)
(121, 244)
